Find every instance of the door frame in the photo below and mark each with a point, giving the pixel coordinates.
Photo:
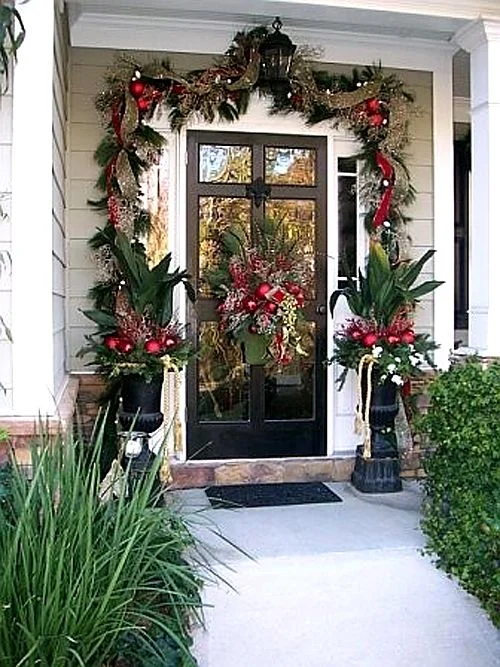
(259, 120)
(270, 437)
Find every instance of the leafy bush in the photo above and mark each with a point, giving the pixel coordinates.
(462, 489)
(85, 582)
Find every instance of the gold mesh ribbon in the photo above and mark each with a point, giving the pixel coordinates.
(362, 419)
(171, 412)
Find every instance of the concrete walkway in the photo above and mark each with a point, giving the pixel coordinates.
(334, 585)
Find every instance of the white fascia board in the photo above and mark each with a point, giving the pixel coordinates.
(461, 9)
(182, 36)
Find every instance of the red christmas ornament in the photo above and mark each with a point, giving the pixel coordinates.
(408, 337)
(252, 329)
(152, 346)
(112, 342)
(143, 103)
(292, 288)
(376, 120)
(249, 304)
(262, 290)
(370, 339)
(356, 334)
(170, 343)
(372, 105)
(270, 307)
(178, 89)
(277, 295)
(124, 345)
(137, 88)
(299, 297)
(393, 340)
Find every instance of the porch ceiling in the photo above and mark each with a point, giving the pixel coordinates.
(95, 23)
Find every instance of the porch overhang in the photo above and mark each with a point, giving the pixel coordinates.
(190, 26)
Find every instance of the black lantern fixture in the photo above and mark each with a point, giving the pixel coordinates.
(276, 53)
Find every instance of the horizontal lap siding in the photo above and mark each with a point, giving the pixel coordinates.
(59, 177)
(88, 69)
(5, 248)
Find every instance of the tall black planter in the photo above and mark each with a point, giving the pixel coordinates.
(381, 472)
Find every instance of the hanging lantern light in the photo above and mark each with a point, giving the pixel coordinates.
(276, 53)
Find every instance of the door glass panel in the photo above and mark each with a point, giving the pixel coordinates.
(298, 217)
(348, 215)
(289, 391)
(216, 214)
(223, 381)
(290, 166)
(225, 164)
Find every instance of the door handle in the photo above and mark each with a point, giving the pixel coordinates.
(321, 309)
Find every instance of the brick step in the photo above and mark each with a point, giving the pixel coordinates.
(194, 474)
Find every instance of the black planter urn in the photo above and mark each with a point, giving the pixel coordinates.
(141, 403)
(381, 472)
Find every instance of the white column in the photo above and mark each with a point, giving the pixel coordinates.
(442, 113)
(482, 40)
(32, 215)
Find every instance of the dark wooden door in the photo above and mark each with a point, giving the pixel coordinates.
(235, 410)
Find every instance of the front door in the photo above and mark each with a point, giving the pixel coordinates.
(235, 410)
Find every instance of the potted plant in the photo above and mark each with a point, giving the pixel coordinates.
(262, 287)
(138, 337)
(379, 342)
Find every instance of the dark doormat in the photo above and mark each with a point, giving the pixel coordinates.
(268, 495)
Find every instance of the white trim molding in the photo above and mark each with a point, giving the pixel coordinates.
(32, 348)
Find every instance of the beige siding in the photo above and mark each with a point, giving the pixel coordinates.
(59, 240)
(88, 68)
(5, 248)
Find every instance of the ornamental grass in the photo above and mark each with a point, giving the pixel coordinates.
(90, 583)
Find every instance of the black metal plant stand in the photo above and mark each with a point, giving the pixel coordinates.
(140, 411)
(381, 472)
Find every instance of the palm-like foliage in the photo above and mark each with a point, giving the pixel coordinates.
(385, 291)
(149, 290)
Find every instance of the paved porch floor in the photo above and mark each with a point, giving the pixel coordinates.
(333, 585)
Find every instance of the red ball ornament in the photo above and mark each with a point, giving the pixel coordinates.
(376, 120)
(249, 304)
(125, 346)
(170, 343)
(370, 339)
(277, 295)
(137, 88)
(356, 335)
(408, 337)
(143, 104)
(270, 307)
(112, 342)
(299, 297)
(372, 105)
(393, 340)
(262, 290)
(292, 288)
(152, 346)
(253, 329)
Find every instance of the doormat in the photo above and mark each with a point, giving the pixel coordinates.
(269, 495)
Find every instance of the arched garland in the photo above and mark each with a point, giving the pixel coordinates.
(373, 106)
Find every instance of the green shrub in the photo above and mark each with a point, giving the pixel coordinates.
(462, 490)
(90, 583)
